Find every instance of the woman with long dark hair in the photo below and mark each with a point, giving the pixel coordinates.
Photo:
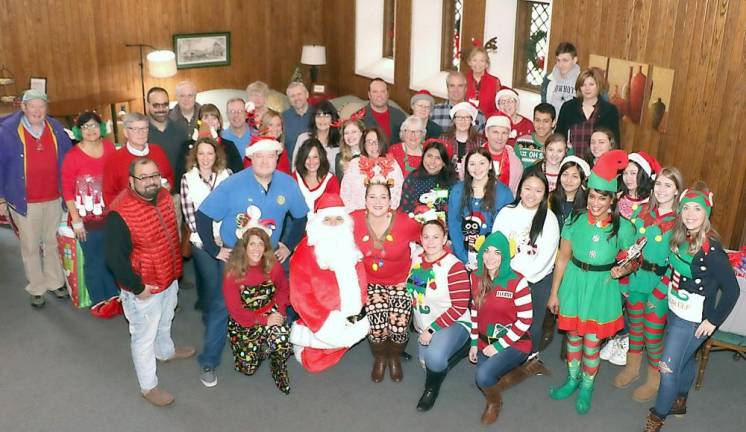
(532, 227)
(473, 205)
(430, 182)
(312, 171)
(323, 115)
(570, 195)
(585, 289)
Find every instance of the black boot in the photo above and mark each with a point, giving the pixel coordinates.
(433, 380)
(462, 353)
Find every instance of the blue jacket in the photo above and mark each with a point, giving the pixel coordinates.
(12, 176)
(456, 215)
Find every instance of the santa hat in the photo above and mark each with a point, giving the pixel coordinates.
(422, 95)
(507, 92)
(465, 106)
(252, 219)
(204, 131)
(423, 213)
(477, 216)
(583, 164)
(329, 204)
(263, 143)
(498, 120)
(605, 171)
(647, 162)
(704, 199)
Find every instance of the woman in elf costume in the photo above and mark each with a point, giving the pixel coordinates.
(699, 268)
(585, 289)
(501, 315)
(439, 286)
(647, 313)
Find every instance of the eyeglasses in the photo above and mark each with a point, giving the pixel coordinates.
(89, 126)
(507, 101)
(414, 131)
(458, 117)
(371, 141)
(353, 132)
(236, 112)
(323, 115)
(159, 105)
(155, 177)
(140, 129)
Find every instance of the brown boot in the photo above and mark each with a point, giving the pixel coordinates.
(394, 360)
(379, 360)
(512, 378)
(548, 327)
(536, 367)
(647, 391)
(631, 371)
(678, 408)
(653, 423)
(158, 397)
(494, 404)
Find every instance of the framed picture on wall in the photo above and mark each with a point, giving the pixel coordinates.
(38, 83)
(194, 50)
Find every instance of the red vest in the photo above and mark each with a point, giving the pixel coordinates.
(156, 256)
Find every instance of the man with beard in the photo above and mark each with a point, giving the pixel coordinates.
(327, 288)
(143, 253)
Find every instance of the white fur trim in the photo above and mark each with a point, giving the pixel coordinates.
(263, 145)
(498, 120)
(639, 160)
(464, 106)
(583, 164)
(336, 332)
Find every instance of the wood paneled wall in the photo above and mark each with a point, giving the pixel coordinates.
(79, 44)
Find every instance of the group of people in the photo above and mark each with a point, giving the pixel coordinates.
(309, 232)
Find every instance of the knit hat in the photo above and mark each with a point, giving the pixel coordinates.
(501, 243)
(647, 162)
(507, 92)
(465, 106)
(422, 95)
(605, 171)
(33, 94)
(705, 199)
(263, 143)
(583, 164)
(498, 120)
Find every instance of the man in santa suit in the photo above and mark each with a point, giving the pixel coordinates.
(327, 288)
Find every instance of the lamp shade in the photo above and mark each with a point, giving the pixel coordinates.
(162, 64)
(313, 55)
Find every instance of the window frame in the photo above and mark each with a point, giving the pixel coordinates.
(522, 33)
(369, 59)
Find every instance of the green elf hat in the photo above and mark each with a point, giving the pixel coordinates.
(697, 196)
(605, 171)
(501, 243)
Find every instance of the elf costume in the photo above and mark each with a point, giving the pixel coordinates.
(589, 298)
(647, 311)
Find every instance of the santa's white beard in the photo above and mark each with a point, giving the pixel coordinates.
(334, 246)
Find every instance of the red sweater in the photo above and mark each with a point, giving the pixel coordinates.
(82, 176)
(41, 166)
(488, 86)
(116, 171)
(243, 313)
(505, 313)
(393, 260)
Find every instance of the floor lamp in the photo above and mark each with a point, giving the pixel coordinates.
(161, 64)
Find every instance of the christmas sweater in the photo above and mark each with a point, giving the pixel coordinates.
(656, 229)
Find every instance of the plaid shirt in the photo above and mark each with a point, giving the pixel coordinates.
(442, 117)
(579, 137)
(187, 205)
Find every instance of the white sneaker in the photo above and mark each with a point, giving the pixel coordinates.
(619, 354)
(608, 348)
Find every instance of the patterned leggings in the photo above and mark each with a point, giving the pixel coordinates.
(389, 308)
(583, 357)
(647, 319)
(253, 344)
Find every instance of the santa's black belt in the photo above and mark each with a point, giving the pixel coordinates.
(593, 267)
(490, 340)
(655, 268)
(355, 318)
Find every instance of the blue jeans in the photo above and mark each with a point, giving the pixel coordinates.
(491, 369)
(150, 331)
(678, 364)
(209, 275)
(98, 278)
(539, 297)
(444, 344)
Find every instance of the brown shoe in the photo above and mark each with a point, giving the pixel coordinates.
(536, 367)
(182, 353)
(678, 408)
(494, 404)
(513, 378)
(653, 423)
(158, 397)
(647, 391)
(379, 350)
(631, 371)
(394, 360)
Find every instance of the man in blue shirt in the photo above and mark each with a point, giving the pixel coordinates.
(275, 194)
(239, 131)
(296, 119)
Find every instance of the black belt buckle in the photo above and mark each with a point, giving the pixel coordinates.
(355, 318)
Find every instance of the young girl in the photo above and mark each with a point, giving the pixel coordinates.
(473, 204)
(647, 314)
(699, 269)
(602, 142)
(481, 87)
(349, 146)
(585, 289)
(256, 295)
(555, 150)
(637, 182)
(501, 315)
(570, 196)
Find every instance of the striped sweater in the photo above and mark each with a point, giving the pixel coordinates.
(504, 316)
(440, 292)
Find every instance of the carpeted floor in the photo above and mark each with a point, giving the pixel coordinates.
(63, 370)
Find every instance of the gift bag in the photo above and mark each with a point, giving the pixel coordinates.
(71, 255)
